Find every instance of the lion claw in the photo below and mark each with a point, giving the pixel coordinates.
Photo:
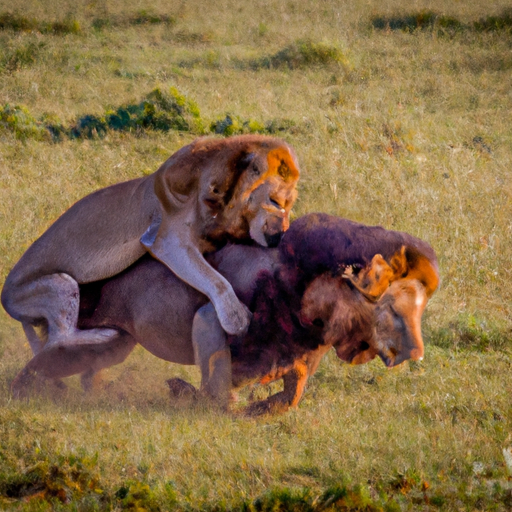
(236, 322)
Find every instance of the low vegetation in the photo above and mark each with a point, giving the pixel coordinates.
(431, 20)
(399, 115)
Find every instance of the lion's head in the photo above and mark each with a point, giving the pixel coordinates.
(243, 187)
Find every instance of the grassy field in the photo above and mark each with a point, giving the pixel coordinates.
(400, 113)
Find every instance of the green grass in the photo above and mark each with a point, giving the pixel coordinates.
(407, 128)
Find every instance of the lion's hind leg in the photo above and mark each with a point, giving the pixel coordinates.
(57, 362)
(55, 300)
(35, 340)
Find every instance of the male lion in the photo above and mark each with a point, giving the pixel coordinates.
(302, 301)
(207, 193)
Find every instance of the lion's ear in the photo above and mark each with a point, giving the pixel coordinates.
(373, 280)
(177, 178)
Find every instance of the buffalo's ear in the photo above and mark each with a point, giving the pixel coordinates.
(399, 263)
(422, 269)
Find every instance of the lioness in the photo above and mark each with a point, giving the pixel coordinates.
(302, 301)
(207, 193)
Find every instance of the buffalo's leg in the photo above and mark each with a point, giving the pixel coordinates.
(294, 384)
(55, 300)
(212, 354)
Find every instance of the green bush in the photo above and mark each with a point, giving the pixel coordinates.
(18, 120)
(234, 125)
(160, 110)
(142, 17)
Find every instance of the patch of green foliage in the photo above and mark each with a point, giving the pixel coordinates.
(18, 120)
(472, 332)
(431, 20)
(159, 110)
(303, 53)
(234, 125)
(20, 23)
(336, 498)
(135, 495)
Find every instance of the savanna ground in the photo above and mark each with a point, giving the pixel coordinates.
(400, 113)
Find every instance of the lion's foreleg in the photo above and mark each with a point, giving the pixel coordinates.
(212, 354)
(176, 247)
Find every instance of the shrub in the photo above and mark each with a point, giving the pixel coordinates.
(64, 479)
(431, 20)
(18, 120)
(234, 125)
(142, 17)
(158, 111)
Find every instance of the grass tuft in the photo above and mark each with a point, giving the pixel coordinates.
(422, 20)
(303, 53)
(142, 17)
(18, 57)
(473, 333)
(501, 22)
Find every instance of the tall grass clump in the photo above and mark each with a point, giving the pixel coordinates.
(303, 53)
(141, 17)
(21, 23)
(18, 56)
(431, 20)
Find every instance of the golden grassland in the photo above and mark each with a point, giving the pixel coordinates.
(410, 129)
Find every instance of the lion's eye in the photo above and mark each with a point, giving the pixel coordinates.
(254, 170)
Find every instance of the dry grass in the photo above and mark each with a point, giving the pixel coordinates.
(410, 130)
